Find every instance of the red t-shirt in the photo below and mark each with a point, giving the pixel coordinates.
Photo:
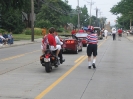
(73, 32)
(51, 40)
(119, 31)
(81, 31)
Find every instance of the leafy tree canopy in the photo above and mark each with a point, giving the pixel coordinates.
(125, 9)
(52, 12)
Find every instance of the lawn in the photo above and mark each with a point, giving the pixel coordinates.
(24, 37)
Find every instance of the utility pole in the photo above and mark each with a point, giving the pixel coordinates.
(130, 23)
(101, 19)
(32, 20)
(78, 16)
(91, 3)
(130, 13)
(97, 23)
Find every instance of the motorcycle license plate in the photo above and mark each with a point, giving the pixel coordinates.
(46, 59)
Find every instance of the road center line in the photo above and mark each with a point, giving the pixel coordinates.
(48, 89)
(42, 94)
(17, 56)
(79, 59)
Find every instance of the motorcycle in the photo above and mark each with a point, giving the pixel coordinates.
(49, 59)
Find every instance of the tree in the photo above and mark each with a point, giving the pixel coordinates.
(84, 17)
(12, 22)
(11, 14)
(52, 12)
(15, 4)
(125, 9)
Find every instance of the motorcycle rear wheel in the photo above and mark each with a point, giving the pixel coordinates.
(48, 67)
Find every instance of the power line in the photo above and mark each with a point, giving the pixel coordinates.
(59, 10)
(91, 3)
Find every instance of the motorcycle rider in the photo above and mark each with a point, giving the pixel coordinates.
(58, 42)
(52, 42)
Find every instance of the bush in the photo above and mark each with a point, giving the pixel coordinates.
(12, 21)
(27, 31)
(43, 23)
(18, 29)
(37, 31)
(60, 30)
(2, 31)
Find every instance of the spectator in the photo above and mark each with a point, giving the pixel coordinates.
(6, 37)
(102, 32)
(81, 30)
(10, 38)
(106, 33)
(119, 34)
(44, 31)
(2, 39)
(73, 32)
(128, 31)
(114, 33)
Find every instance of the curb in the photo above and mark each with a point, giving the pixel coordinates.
(13, 45)
(128, 37)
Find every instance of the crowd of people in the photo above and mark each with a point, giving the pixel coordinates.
(115, 33)
(6, 38)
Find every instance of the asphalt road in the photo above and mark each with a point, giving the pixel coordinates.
(23, 77)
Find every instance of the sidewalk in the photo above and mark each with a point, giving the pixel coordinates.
(21, 42)
(24, 42)
(129, 37)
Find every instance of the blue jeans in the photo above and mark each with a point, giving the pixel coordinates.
(10, 41)
(1, 41)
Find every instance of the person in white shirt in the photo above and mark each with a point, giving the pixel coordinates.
(127, 32)
(2, 39)
(114, 33)
(106, 33)
(58, 42)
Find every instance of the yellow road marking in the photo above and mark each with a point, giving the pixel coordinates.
(9, 58)
(17, 56)
(79, 59)
(48, 89)
(101, 43)
(42, 94)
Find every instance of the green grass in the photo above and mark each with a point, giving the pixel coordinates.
(18, 37)
(22, 36)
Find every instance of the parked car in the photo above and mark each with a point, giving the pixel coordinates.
(82, 37)
(71, 43)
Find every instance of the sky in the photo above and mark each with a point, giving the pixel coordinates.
(104, 7)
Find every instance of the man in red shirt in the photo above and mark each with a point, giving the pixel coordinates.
(81, 30)
(52, 42)
(119, 33)
(73, 31)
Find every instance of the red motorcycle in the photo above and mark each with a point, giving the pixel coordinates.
(49, 59)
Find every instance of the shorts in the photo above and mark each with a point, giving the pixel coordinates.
(92, 48)
(58, 47)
